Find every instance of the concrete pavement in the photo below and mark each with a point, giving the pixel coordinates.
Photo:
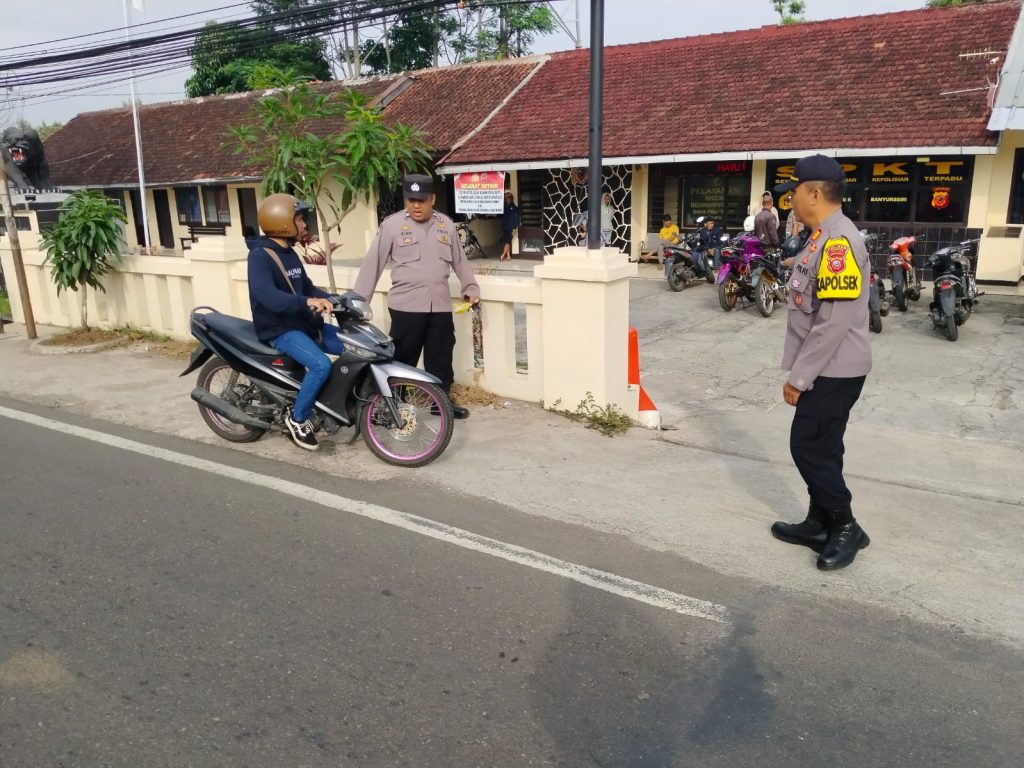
(935, 453)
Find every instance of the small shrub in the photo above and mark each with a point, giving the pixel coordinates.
(608, 419)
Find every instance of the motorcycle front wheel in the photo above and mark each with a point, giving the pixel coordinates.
(709, 271)
(426, 429)
(875, 322)
(220, 379)
(727, 292)
(765, 299)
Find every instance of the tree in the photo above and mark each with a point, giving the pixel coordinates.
(311, 15)
(227, 58)
(493, 30)
(408, 43)
(951, 3)
(368, 155)
(85, 243)
(790, 11)
(46, 130)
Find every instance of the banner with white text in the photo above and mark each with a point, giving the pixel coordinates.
(481, 192)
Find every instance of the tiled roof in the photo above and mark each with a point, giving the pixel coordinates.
(450, 102)
(181, 140)
(864, 82)
(185, 140)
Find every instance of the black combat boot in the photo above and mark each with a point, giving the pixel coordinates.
(458, 411)
(812, 532)
(845, 540)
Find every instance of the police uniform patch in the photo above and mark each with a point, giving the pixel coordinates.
(804, 259)
(796, 284)
(445, 239)
(798, 299)
(406, 240)
(839, 274)
(814, 247)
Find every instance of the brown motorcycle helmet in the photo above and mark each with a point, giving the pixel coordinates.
(277, 215)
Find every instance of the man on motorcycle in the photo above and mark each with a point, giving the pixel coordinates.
(828, 354)
(287, 307)
(710, 240)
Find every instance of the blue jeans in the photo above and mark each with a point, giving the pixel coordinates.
(307, 353)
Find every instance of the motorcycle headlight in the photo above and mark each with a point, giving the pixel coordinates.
(362, 308)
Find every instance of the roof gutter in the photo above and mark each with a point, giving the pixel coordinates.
(768, 154)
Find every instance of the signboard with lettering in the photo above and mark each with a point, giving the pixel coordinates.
(925, 189)
(480, 192)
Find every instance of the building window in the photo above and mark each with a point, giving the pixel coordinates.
(686, 191)
(215, 205)
(187, 199)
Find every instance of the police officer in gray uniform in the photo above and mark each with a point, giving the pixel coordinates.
(423, 249)
(828, 355)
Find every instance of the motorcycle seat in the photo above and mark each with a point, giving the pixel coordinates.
(243, 332)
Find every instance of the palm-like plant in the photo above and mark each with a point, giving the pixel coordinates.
(85, 243)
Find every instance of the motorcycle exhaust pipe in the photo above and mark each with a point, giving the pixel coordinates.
(227, 410)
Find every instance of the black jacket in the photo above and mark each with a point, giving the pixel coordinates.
(275, 309)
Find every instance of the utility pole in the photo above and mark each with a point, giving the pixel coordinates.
(596, 126)
(12, 232)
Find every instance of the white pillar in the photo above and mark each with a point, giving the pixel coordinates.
(586, 328)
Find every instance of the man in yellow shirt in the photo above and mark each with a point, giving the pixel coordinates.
(669, 233)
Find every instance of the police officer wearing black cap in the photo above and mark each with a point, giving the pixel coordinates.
(828, 355)
(423, 249)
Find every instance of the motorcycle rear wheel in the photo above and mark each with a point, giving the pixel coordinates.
(875, 322)
(951, 330)
(728, 290)
(765, 299)
(901, 297)
(675, 278)
(428, 427)
(220, 379)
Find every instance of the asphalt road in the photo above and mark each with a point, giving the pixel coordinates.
(156, 614)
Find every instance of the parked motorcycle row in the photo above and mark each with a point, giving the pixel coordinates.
(751, 272)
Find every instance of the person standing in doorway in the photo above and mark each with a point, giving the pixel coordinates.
(510, 220)
(607, 219)
(423, 250)
(828, 355)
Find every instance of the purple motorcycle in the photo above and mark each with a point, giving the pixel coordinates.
(734, 274)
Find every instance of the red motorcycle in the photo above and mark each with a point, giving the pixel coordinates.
(906, 282)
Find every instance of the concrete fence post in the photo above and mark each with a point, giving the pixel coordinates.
(585, 296)
(213, 260)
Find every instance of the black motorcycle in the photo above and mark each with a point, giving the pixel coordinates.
(683, 264)
(956, 292)
(878, 299)
(769, 280)
(245, 386)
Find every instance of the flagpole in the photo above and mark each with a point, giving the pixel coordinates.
(138, 131)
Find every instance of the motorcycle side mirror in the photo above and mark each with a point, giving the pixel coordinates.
(724, 239)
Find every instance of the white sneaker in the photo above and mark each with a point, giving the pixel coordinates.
(301, 432)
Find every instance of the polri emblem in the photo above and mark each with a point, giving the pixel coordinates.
(836, 255)
(798, 299)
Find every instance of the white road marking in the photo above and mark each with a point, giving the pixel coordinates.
(602, 580)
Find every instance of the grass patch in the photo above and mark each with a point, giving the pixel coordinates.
(471, 394)
(156, 343)
(609, 420)
(5, 304)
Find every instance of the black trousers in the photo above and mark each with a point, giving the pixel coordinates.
(816, 438)
(429, 333)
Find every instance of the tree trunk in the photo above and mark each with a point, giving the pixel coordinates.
(327, 252)
(85, 307)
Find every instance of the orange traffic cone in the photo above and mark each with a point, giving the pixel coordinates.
(648, 416)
